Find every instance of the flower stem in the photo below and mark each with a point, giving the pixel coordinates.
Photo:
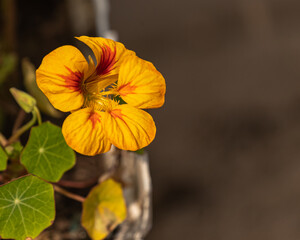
(23, 129)
(3, 140)
(19, 120)
(38, 114)
(68, 194)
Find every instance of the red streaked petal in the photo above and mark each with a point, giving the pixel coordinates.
(84, 133)
(60, 75)
(126, 89)
(129, 128)
(109, 55)
(73, 80)
(140, 84)
(107, 61)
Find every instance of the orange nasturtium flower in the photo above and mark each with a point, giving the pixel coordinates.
(89, 91)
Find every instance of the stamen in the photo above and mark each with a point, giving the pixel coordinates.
(103, 100)
(110, 92)
(99, 102)
(94, 85)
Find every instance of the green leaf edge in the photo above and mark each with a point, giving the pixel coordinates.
(3, 154)
(74, 155)
(54, 206)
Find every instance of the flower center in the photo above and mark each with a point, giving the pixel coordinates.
(99, 89)
(101, 101)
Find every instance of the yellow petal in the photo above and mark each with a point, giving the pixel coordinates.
(103, 209)
(129, 128)
(109, 55)
(83, 132)
(140, 84)
(60, 76)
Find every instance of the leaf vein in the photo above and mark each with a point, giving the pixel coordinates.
(1, 208)
(33, 196)
(21, 213)
(35, 209)
(26, 188)
(56, 155)
(9, 216)
(4, 199)
(54, 145)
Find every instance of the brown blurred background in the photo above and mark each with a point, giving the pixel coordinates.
(225, 163)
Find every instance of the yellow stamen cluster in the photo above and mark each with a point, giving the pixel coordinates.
(102, 101)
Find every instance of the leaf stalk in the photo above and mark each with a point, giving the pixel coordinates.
(23, 129)
(68, 194)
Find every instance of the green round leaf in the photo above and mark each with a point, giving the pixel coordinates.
(26, 207)
(103, 209)
(3, 159)
(46, 154)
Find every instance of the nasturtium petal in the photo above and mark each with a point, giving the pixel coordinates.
(60, 76)
(3, 159)
(84, 133)
(46, 154)
(129, 128)
(140, 84)
(103, 209)
(109, 55)
(26, 208)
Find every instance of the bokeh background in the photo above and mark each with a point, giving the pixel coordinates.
(225, 163)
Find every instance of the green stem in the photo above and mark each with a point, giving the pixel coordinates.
(68, 194)
(19, 120)
(3, 140)
(23, 129)
(38, 114)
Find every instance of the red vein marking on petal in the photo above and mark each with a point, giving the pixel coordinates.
(126, 89)
(73, 80)
(94, 118)
(117, 113)
(107, 61)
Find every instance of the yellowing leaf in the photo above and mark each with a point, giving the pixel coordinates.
(103, 209)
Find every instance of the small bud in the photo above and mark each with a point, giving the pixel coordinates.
(25, 101)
